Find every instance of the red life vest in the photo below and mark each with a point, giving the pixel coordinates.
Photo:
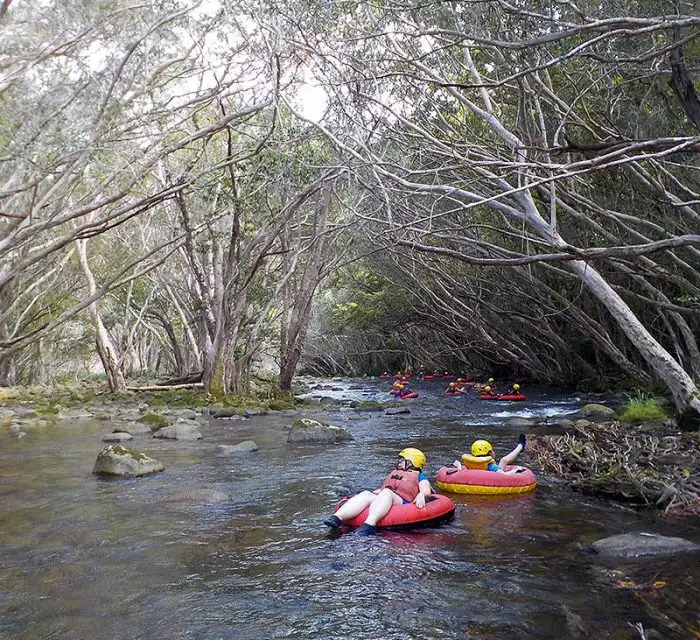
(404, 483)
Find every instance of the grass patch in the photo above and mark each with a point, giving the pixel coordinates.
(642, 408)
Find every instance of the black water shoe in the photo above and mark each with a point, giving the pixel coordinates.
(522, 440)
(334, 522)
(365, 530)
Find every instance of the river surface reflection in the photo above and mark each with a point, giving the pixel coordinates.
(219, 547)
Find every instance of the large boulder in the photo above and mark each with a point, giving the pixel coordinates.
(597, 412)
(247, 446)
(181, 430)
(310, 431)
(116, 460)
(635, 545)
(134, 429)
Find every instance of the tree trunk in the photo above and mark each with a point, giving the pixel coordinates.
(685, 393)
(105, 346)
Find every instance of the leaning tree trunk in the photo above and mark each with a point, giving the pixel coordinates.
(105, 346)
(685, 393)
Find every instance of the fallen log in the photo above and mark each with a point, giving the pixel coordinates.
(166, 387)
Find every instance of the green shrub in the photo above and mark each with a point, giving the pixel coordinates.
(642, 408)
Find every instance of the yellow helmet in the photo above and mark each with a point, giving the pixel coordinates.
(481, 448)
(452, 384)
(487, 388)
(415, 456)
(490, 380)
(516, 386)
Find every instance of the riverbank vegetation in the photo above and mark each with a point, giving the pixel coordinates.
(654, 466)
(192, 195)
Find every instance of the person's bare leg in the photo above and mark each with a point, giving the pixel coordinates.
(355, 505)
(512, 456)
(381, 505)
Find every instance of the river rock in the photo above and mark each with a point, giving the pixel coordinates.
(74, 414)
(229, 413)
(181, 430)
(247, 446)
(180, 414)
(116, 460)
(395, 411)
(118, 436)
(635, 545)
(135, 429)
(597, 412)
(306, 430)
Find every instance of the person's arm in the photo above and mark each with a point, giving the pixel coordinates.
(424, 490)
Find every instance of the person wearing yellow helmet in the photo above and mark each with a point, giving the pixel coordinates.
(514, 390)
(482, 456)
(405, 483)
(404, 389)
(453, 390)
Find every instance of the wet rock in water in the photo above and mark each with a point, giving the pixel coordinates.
(235, 413)
(636, 545)
(73, 414)
(116, 460)
(597, 412)
(154, 420)
(310, 431)
(181, 430)
(118, 436)
(247, 446)
(395, 411)
(255, 411)
(367, 405)
(180, 414)
(135, 429)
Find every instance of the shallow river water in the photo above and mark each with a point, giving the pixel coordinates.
(218, 547)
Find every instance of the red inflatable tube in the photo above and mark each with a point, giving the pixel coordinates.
(437, 509)
(502, 396)
(413, 394)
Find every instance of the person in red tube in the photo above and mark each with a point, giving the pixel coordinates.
(453, 390)
(405, 483)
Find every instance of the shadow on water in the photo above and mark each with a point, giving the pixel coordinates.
(235, 547)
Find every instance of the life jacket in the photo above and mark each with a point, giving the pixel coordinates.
(403, 483)
(480, 463)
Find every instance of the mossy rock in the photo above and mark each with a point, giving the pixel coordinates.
(116, 460)
(154, 420)
(280, 404)
(368, 405)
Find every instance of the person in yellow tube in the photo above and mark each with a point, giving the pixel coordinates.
(405, 483)
(482, 457)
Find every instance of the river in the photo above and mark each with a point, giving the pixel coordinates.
(220, 547)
